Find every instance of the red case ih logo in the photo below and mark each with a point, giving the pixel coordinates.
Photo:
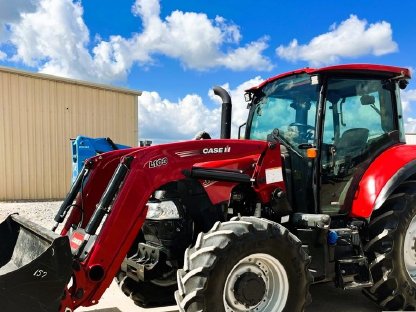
(216, 150)
(205, 151)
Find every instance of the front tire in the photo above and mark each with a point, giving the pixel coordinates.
(244, 264)
(146, 294)
(392, 251)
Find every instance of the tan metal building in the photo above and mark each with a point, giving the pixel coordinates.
(38, 116)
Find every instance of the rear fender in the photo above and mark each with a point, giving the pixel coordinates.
(387, 171)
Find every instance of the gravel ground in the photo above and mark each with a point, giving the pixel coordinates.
(38, 212)
(325, 297)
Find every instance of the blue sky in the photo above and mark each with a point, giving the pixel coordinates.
(175, 51)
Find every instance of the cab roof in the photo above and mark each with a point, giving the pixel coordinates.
(346, 68)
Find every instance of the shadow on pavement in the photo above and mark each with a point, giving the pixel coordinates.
(327, 298)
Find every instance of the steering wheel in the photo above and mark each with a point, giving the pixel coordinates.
(306, 131)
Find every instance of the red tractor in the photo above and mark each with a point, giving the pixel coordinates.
(321, 189)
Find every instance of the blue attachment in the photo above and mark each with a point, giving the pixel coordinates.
(332, 238)
(85, 147)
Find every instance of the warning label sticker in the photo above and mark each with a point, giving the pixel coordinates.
(274, 175)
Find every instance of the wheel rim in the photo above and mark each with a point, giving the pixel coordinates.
(269, 272)
(410, 250)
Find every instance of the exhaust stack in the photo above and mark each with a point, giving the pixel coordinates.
(225, 113)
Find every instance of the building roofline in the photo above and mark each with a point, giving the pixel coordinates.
(68, 80)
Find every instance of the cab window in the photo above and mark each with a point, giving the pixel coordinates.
(358, 118)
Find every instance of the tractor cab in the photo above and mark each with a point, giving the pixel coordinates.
(331, 123)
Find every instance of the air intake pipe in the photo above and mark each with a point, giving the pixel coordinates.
(225, 113)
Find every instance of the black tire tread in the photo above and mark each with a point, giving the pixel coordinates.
(200, 259)
(384, 228)
(145, 295)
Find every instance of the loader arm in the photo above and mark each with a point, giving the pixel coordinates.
(100, 254)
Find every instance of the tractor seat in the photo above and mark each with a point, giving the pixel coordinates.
(352, 142)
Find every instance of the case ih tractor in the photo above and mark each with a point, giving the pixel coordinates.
(321, 189)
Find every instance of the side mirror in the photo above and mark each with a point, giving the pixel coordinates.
(248, 96)
(367, 99)
(403, 84)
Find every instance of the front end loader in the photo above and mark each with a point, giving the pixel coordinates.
(103, 214)
(321, 189)
(35, 266)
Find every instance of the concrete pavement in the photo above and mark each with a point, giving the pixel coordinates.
(325, 298)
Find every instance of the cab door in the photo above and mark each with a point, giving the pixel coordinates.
(358, 124)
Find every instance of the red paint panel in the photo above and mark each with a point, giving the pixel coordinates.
(383, 168)
(219, 192)
(392, 70)
(151, 168)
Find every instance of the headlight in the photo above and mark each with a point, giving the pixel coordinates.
(162, 210)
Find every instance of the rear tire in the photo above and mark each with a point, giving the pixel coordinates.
(246, 263)
(391, 251)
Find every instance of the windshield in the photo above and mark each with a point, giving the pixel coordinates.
(287, 104)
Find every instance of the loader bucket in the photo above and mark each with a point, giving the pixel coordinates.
(35, 267)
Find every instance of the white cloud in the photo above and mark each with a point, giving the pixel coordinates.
(350, 39)
(192, 38)
(55, 39)
(3, 56)
(10, 12)
(250, 54)
(411, 69)
(181, 120)
(164, 121)
(410, 125)
(407, 97)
